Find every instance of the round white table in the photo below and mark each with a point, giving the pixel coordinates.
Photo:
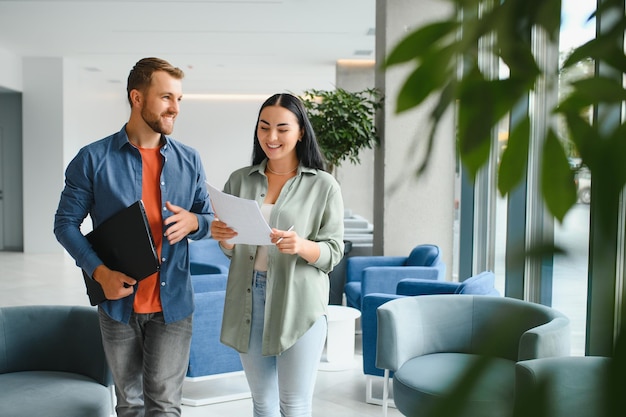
(339, 351)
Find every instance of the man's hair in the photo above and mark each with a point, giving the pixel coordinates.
(140, 76)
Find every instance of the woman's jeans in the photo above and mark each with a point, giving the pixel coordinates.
(281, 385)
(148, 361)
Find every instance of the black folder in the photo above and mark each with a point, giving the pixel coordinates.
(124, 243)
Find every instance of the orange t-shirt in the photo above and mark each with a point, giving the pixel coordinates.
(148, 296)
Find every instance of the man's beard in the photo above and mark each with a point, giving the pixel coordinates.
(155, 123)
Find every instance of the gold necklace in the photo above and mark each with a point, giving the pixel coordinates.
(279, 173)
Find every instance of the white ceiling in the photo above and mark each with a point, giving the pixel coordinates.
(228, 46)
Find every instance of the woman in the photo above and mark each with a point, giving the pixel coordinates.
(276, 298)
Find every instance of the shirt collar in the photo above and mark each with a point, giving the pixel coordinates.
(121, 139)
(260, 168)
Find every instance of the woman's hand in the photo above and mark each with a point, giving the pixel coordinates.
(221, 232)
(288, 242)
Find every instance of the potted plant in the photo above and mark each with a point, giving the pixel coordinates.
(343, 122)
(480, 102)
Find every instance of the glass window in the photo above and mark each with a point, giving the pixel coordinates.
(570, 270)
(569, 284)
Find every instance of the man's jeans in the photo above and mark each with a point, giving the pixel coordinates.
(148, 360)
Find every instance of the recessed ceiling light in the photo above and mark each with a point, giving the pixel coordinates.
(363, 52)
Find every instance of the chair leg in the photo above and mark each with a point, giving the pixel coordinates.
(386, 392)
(370, 380)
(113, 400)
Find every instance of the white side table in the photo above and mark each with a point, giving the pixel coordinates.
(339, 351)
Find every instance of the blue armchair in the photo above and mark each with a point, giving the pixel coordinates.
(381, 274)
(208, 357)
(480, 284)
(206, 257)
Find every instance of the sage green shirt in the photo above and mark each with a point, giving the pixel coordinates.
(297, 291)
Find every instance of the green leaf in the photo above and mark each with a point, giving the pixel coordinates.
(482, 104)
(445, 100)
(475, 124)
(600, 89)
(514, 158)
(557, 179)
(420, 42)
(427, 78)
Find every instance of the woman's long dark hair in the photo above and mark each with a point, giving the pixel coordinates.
(307, 149)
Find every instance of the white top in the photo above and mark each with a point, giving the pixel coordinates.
(260, 262)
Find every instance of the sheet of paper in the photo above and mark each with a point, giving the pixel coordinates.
(241, 214)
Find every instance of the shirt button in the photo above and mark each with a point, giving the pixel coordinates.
(164, 208)
(162, 260)
(162, 182)
(251, 257)
(247, 321)
(248, 290)
(262, 195)
(163, 284)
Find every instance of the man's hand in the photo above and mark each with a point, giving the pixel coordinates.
(115, 284)
(180, 224)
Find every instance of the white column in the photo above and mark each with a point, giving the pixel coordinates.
(42, 150)
(411, 210)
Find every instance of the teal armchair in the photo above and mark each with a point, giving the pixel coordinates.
(456, 353)
(52, 363)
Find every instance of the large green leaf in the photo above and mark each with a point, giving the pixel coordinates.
(598, 49)
(418, 43)
(557, 178)
(429, 76)
(514, 158)
(600, 90)
(476, 122)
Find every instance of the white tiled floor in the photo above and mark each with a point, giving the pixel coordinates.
(55, 279)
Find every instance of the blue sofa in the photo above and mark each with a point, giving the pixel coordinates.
(52, 363)
(208, 357)
(206, 257)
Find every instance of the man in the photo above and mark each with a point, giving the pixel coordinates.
(146, 325)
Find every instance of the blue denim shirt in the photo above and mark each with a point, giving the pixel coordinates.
(105, 177)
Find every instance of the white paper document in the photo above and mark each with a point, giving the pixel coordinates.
(241, 214)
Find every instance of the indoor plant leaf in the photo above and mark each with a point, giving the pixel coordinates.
(557, 178)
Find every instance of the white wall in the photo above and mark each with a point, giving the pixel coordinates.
(222, 131)
(11, 74)
(42, 149)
